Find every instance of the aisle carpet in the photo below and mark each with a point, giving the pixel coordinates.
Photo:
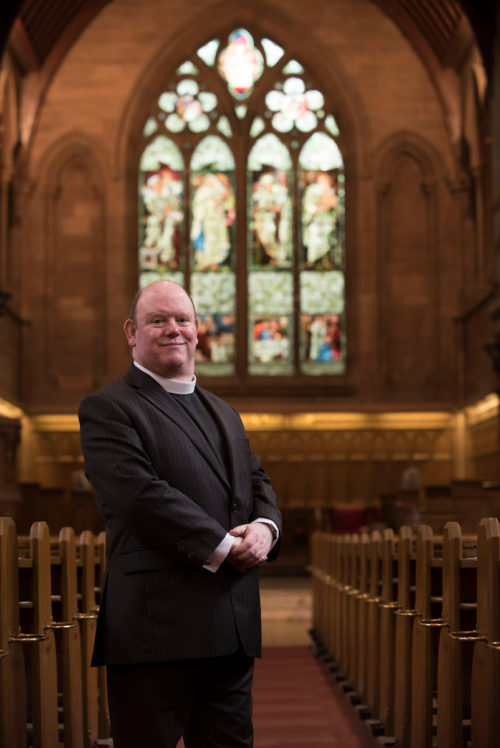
(295, 706)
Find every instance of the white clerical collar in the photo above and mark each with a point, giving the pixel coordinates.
(175, 386)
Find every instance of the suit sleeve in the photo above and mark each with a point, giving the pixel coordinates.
(130, 492)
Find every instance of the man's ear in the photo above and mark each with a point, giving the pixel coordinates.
(130, 331)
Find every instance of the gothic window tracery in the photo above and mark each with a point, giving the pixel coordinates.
(241, 200)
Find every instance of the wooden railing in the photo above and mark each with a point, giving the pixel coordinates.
(409, 626)
(49, 596)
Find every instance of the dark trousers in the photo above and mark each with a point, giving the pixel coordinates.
(207, 702)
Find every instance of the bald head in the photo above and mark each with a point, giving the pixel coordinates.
(133, 306)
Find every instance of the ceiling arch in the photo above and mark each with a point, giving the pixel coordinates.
(38, 27)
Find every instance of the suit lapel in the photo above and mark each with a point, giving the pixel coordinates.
(226, 434)
(148, 388)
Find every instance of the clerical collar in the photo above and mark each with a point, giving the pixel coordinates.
(174, 386)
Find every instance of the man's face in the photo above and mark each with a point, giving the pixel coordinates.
(165, 335)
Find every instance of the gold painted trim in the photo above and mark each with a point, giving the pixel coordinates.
(346, 421)
(9, 410)
(61, 422)
(483, 410)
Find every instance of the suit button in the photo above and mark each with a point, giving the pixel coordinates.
(234, 507)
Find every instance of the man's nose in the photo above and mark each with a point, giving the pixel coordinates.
(171, 327)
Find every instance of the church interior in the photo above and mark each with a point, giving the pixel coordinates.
(324, 178)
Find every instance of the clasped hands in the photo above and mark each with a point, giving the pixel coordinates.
(251, 546)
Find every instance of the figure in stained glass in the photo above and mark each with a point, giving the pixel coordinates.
(213, 211)
(240, 64)
(323, 337)
(270, 339)
(161, 195)
(271, 219)
(239, 112)
(319, 220)
(215, 338)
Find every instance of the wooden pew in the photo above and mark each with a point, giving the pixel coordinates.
(426, 632)
(337, 584)
(316, 573)
(37, 638)
(104, 724)
(361, 616)
(330, 594)
(404, 625)
(373, 623)
(67, 637)
(351, 610)
(13, 707)
(86, 617)
(387, 606)
(343, 609)
(443, 625)
(457, 638)
(485, 688)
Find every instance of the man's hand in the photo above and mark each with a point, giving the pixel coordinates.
(253, 544)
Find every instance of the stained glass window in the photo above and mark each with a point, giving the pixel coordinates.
(241, 200)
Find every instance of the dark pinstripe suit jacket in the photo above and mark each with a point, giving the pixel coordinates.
(167, 503)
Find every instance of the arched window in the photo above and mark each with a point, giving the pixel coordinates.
(241, 200)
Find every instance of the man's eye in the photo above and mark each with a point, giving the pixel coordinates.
(157, 322)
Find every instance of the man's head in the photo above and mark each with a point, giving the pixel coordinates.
(162, 330)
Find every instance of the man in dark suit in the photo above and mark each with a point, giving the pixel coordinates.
(190, 515)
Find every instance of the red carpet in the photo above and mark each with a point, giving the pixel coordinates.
(296, 707)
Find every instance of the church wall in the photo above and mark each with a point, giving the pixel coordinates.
(415, 333)
(93, 96)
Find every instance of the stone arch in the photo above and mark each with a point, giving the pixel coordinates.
(68, 254)
(409, 174)
(331, 77)
(334, 80)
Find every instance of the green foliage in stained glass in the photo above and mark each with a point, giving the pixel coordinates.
(322, 292)
(271, 293)
(214, 293)
(296, 167)
(149, 276)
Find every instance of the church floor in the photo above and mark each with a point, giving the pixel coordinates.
(286, 604)
(295, 706)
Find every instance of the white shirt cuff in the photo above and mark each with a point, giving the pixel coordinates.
(219, 554)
